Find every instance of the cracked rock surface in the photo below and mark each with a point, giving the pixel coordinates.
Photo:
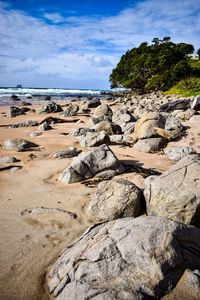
(125, 259)
(114, 199)
(88, 164)
(176, 193)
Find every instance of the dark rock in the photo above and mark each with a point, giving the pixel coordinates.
(15, 111)
(176, 105)
(93, 103)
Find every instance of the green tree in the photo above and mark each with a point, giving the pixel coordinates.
(157, 66)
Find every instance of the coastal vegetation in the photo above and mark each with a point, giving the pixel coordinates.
(160, 66)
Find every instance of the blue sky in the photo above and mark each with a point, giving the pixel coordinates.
(77, 43)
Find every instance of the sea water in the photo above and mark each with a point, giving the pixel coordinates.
(39, 94)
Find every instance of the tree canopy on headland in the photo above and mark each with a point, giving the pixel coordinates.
(157, 66)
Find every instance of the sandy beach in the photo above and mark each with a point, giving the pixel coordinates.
(32, 242)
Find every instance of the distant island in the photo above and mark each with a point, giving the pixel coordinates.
(19, 86)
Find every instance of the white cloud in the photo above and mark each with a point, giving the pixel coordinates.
(73, 48)
(55, 18)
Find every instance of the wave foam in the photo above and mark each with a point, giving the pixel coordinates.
(46, 92)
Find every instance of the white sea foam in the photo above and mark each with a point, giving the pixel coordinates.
(44, 92)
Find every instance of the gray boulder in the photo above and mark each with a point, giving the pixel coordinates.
(15, 111)
(176, 193)
(101, 113)
(123, 118)
(19, 145)
(7, 159)
(172, 123)
(67, 153)
(27, 123)
(93, 103)
(128, 128)
(71, 110)
(94, 139)
(176, 153)
(124, 258)
(149, 145)
(108, 127)
(89, 164)
(44, 126)
(82, 131)
(50, 107)
(116, 198)
(103, 110)
(121, 139)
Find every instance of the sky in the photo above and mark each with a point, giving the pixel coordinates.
(77, 43)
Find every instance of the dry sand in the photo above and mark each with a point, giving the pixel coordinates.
(30, 243)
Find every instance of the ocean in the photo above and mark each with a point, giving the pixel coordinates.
(37, 95)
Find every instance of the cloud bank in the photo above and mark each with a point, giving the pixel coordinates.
(51, 49)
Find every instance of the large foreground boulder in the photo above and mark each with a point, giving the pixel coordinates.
(115, 199)
(88, 164)
(125, 259)
(176, 193)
